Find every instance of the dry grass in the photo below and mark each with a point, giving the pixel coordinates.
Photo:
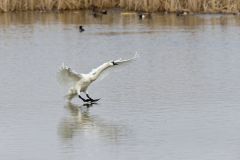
(23, 5)
(212, 6)
(174, 5)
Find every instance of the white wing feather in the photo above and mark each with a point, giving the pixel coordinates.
(121, 63)
(67, 77)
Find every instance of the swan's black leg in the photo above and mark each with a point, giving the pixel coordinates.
(84, 100)
(92, 100)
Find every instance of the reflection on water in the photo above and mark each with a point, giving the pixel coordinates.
(82, 123)
(125, 33)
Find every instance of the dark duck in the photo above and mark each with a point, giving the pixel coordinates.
(81, 29)
(144, 15)
(98, 12)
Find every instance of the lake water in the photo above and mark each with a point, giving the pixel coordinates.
(179, 100)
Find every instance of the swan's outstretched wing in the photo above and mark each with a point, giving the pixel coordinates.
(125, 61)
(67, 77)
(121, 63)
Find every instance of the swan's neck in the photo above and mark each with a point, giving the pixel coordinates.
(97, 72)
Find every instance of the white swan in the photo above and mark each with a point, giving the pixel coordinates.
(80, 82)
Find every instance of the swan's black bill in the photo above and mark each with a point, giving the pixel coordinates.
(114, 63)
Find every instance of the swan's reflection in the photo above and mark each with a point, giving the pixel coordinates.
(81, 123)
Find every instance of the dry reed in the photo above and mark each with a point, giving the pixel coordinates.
(211, 6)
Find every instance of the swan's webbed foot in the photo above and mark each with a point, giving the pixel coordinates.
(84, 100)
(92, 100)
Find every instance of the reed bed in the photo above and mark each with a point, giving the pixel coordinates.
(209, 6)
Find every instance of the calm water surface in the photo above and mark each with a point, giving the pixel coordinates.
(179, 100)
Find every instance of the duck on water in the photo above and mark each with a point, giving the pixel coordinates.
(182, 12)
(96, 12)
(81, 29)
(143, 15)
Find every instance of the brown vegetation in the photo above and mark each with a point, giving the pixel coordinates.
(209, 6)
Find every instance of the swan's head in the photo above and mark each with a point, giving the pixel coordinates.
(113, 63)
